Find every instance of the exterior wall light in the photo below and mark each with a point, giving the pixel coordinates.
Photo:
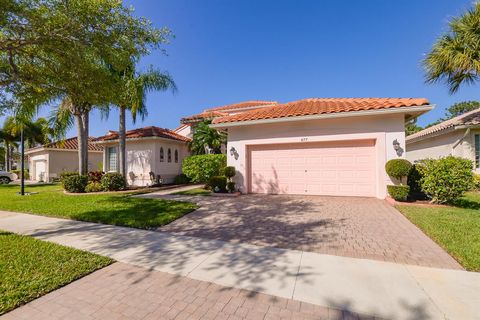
(234, 153)
(398, 149)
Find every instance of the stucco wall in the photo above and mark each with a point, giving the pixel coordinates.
(143, 156)
(459, 143)
(58, 161)
(185, 131)
(384, 129)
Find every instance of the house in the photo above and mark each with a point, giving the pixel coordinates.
(148, 150)
(48, 161)
(459, 136)
(335, 146)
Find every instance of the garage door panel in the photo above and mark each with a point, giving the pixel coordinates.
(334, 168)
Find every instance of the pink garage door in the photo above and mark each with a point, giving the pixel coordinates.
(345, 168)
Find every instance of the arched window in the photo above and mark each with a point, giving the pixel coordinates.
(162, 157)
(169, 155)
(176, 156)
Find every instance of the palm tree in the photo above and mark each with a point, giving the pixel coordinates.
(134, 88)
(455, 57)
(206, 139)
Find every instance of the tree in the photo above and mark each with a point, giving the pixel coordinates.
(412, 128)
(63, 50)
(207, 139)
(460, 108)
(133, 88)
(455, 57)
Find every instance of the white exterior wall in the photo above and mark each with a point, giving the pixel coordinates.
(143, 156)
(458, 143)
(382, 128)
(186, 131)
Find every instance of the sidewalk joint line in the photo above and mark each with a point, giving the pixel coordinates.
(298, 273)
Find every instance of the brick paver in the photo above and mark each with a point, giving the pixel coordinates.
(345, 226)
(123, 291)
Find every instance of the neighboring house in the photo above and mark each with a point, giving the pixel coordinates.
(48, 161)
(335, 146)
(459, 136)
(149, 150)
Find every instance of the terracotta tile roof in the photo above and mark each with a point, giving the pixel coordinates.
(203, 115)
(145, 132)
(245, 104)
(316, 106)
(69, 144)
(471, 118)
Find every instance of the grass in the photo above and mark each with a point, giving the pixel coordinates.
(195, 192)
(456, 228)
(114, 209)
(30, 268)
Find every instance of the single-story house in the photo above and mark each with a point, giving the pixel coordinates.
(150, 150)
(48, 161)
(459, 136)
(335, 146)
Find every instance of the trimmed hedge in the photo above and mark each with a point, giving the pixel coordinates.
(65, 174)
(201, 168)
(230, 172)
(231, 186)
(113, 181)
(446, 179)
(476, 182)
(218, 183)
(75, 183)
(399, 193)
(93, 186)
(398, 168)
(181, 179)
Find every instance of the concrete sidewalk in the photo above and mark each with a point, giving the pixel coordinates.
(377, 288)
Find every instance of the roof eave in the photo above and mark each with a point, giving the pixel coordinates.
(412, 112)
(138, 139)
(441, 132)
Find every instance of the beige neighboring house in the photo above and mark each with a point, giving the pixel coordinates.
(48, 161)
(149, 150)
(459, 137)
(319, 146)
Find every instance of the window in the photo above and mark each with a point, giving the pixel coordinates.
(162, 157)
(112, 159)
(169, 155)
(176, 156)
(477, 151)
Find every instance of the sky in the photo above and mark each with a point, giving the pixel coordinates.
(227, 51)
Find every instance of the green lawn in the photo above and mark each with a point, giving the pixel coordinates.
(195, 192)
(30, 268)
(456, 229)
(115, 209)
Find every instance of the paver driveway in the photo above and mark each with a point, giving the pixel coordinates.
(352, 227)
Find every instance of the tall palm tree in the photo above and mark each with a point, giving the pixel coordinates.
(206, 139)
(455, 57)
(134, 88)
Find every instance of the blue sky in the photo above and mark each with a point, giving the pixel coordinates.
(227, 51)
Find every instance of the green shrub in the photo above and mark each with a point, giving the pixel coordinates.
(231, 186)
(476, 182)
(19, 175)
(218, 183)
(230, 172)
(65, 174)
(95, 176)
(113, 181)
(181, 179)
(75, 183)
(201, 168)
(447, 179)
(398, 168)
(399, 193)
(94, 186)
(414, 182)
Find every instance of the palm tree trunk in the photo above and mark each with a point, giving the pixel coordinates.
(7, 156)
(80, 138)
(86, 120)
(121, 142)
